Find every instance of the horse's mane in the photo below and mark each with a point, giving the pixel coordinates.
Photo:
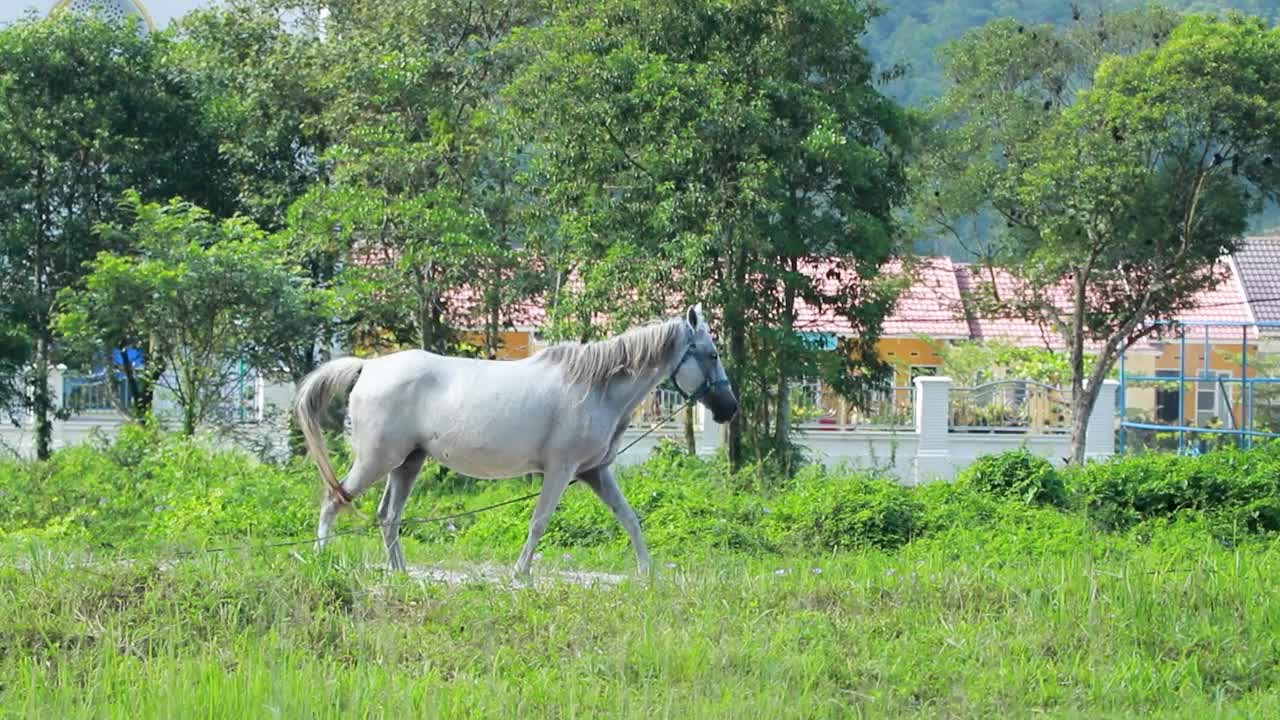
(633, 351)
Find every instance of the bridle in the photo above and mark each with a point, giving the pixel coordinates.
(704, 364)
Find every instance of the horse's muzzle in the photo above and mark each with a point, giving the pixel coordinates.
(723, 411)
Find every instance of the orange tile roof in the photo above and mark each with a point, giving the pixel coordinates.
(933, 304)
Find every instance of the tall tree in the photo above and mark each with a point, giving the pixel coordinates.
(209, 293)
(1124, 159)
(423, 178)
(87, 109)
(714, 151)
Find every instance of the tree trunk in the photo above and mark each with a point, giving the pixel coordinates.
(188, 421)
(782, 431)
(1083, 404)
(690, 438)
(41, 400)
(191, 398)
(735, 325)
(1080, 401)
(1080, 407)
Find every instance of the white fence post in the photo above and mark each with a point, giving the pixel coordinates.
(56, 403)
(1100, 434)
(709, 436)
(933, 419)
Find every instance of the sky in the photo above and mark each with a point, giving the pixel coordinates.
(162, 11)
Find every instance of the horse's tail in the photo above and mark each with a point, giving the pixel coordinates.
(312, 400)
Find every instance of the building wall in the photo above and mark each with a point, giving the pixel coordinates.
(1222, 358)
(905, 353)
(513, 344)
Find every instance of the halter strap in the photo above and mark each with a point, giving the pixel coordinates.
(708, 385)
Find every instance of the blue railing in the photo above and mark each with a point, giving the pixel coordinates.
(1239, 411)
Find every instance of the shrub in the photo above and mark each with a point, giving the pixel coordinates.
(1017, 474)
(846, 511)
(1238, 489)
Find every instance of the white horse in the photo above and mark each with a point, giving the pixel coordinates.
(560, 413)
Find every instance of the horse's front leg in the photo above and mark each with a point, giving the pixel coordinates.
(553, 484)
(606, 488)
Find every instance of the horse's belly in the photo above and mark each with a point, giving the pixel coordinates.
(485, 462)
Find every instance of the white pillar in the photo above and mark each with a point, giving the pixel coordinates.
(1100, 433)
(56, 439)
(933, 433)
(710, 435)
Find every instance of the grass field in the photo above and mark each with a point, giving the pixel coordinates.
(1140, 588)
(917, 633)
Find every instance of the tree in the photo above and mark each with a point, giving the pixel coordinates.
(87, 109)
(1124, 159)
(714, 151)
(15, 350)
(257, 66)
(423, 184)
(207, 293)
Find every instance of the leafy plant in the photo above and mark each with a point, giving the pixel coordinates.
(1017, 474)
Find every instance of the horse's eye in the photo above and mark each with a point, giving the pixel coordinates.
(715, 356)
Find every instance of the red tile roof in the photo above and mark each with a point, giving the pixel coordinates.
(934, 302)
(930, 305)
(1225, 303)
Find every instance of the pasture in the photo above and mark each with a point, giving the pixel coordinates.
(828, 595)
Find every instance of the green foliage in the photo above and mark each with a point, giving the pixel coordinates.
(15, 355)
(200, 294)
(707, 151)
(1091, 630)
(1237, 490)
(970, 363)
(1017, 474)
(1120, 199)
(148, 486)
(844, 512)
(89, 110)
(423, 169)
(909, 32)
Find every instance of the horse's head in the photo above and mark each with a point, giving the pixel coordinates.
(699, 375)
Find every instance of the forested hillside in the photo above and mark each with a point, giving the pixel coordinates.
(908, 35)
(911, 31)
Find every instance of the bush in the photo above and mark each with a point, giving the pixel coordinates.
(1016, 474)
(823, 512)
(1238, 489)
(148, 486)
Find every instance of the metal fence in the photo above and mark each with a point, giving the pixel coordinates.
(1010, 406)
(816, 407)
(239, 402)
(94, 394)
(1215, 392)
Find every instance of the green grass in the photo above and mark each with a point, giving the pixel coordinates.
(1114, 629)
(1143, 587)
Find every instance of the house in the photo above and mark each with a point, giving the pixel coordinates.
(1257, 264)
(937, 308)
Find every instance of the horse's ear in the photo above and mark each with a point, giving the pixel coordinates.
(695, 316)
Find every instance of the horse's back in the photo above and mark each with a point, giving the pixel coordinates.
(486, 418)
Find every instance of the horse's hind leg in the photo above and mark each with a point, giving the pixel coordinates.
(391, 508)
(363, 474)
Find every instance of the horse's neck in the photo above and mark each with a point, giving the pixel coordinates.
(631, 391)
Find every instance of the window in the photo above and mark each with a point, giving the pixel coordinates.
(1167, 399)
(1212, 401)
(916, 371)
